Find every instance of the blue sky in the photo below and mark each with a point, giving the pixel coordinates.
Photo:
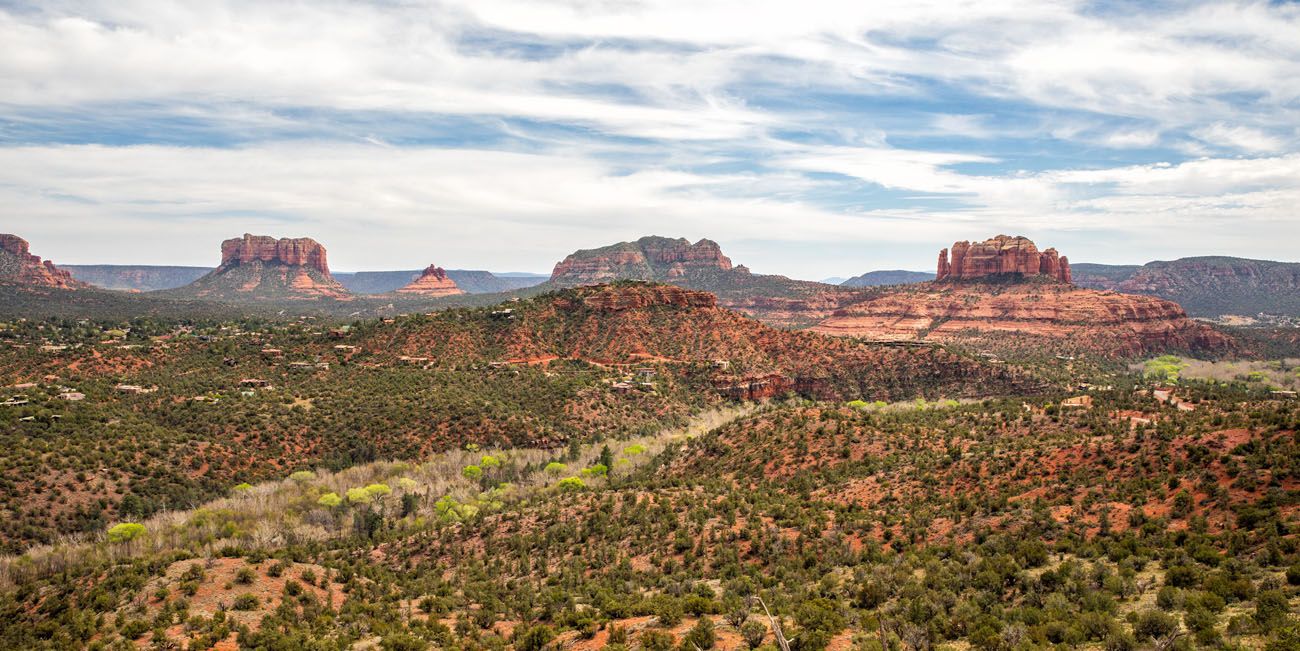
(810, 139)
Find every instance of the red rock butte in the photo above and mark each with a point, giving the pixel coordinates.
(29, 270)
(433, 281)
(649, 258)
(999, 256)
(293, 252)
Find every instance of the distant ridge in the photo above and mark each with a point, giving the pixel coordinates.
(888, 277)
(1207, 286)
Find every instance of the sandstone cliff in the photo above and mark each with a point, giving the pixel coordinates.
(1059, 315)
(433, 282)
(19, 267)
(1003, 255)
(261, 268)
(649, 258)
(1208, 286)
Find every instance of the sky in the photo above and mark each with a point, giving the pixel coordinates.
(808, 138)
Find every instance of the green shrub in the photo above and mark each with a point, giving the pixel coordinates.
(330, 500)
(571, 484)
(700, 636)
(555, 467)
(125, 532)
(471, 472)
(246, 601)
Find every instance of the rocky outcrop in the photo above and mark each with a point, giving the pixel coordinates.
(293, 252)
(1210, 286)
(1103, 322)
(1003, 255)
(616, 298)
(433, 282)
(261, 268)
(18, 266)
(649, 258)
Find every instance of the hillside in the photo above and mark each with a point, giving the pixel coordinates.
(923, 524)
(1209, 286)
(206, 407)
(891, 277)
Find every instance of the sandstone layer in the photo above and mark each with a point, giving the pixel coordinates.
(20, 267)
(293, 252)
(433, 282)
(1103, 322)
(649, 258)
(261, 268)
(1003, 255)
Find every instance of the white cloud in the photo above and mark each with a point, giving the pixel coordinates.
(1240, 138)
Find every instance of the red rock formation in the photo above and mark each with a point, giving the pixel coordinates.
(615, 298)
(1001, 255)
(18, 265)
(294, 252)
(432, 282)
(649, 258)
(261, 268)
(1105, 322)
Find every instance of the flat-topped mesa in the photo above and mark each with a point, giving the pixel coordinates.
(293, 252)
(433, 281)
(1000, 256)
(649, 258)
(18, 265)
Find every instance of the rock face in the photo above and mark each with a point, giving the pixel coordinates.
(1003, 255)
(293, 252)
(649, 258)
(1062, 316)
(433, 282)
(615, 298)
(20, 267)
(261, 268)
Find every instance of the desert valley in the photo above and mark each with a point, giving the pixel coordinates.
(652, 448)
(649, 325)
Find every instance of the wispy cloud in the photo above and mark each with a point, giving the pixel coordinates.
(567, 123)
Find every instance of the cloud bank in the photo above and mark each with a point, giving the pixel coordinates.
(811, 140)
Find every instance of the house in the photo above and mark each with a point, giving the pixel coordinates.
(53, 348)
(255, 383)
(134, 388)
(1077, 402)
(1282, 394)
(505, 314)
(413, 361)
(622, 387)
(15, 401)
(721, 364)
(272, 352)
(72, 396)
(645, 373)
(345, 348)
(340, 332)
(301, 366)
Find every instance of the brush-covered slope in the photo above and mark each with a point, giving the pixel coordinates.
(631, 322)
(1208, 286)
